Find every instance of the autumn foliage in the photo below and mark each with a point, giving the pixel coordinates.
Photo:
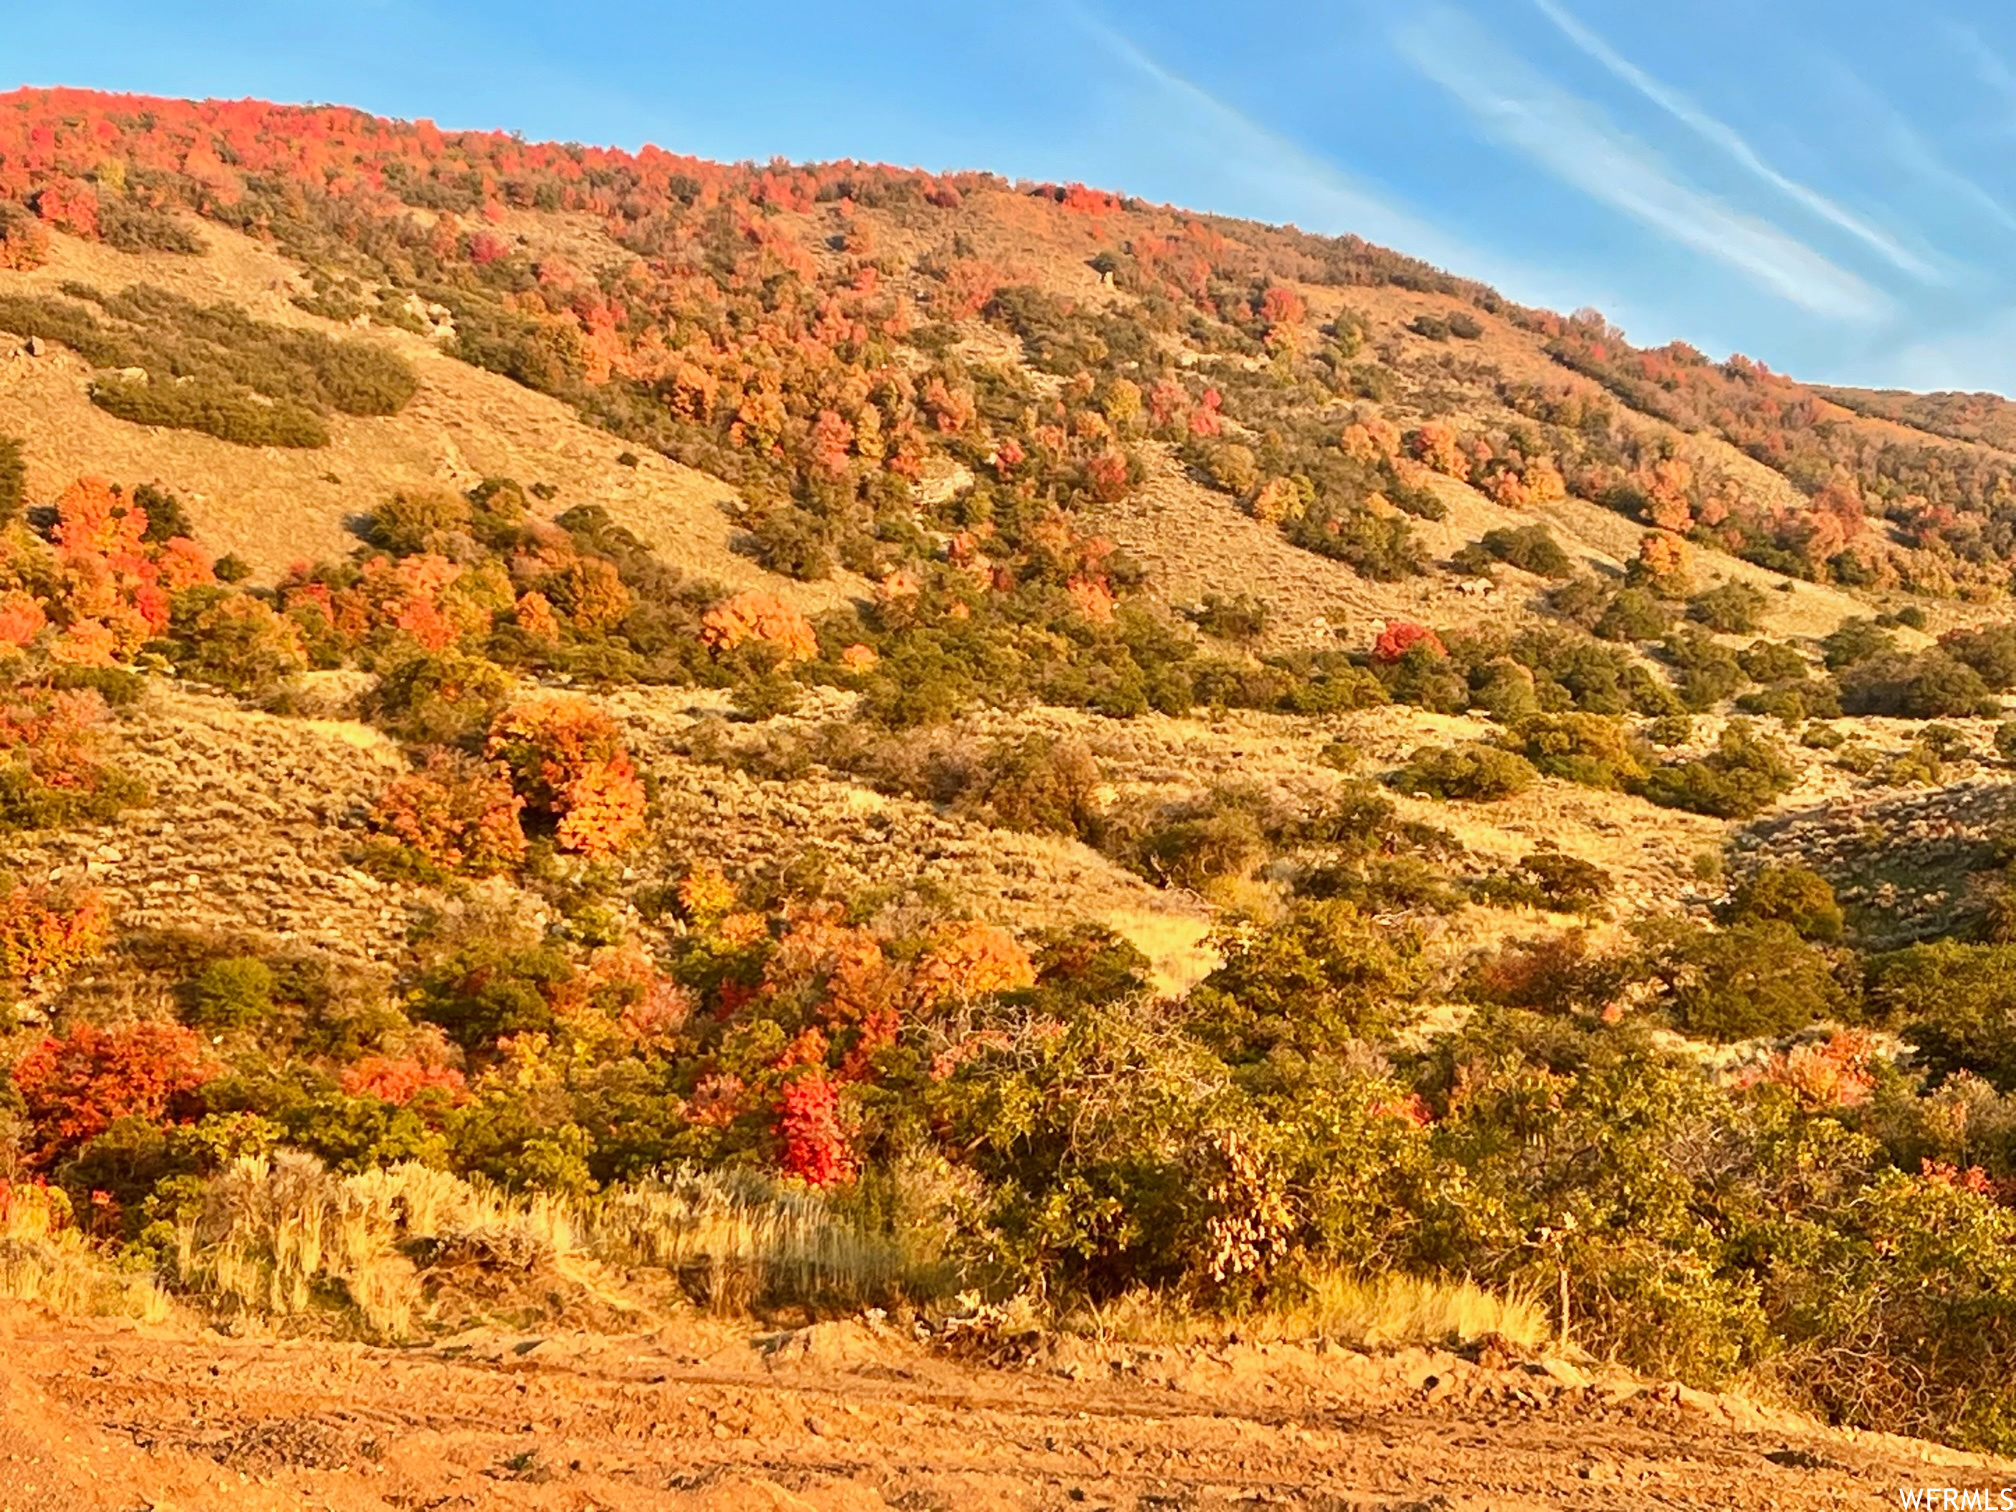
(569, 768)
(809, 1128)
(46, 933)
(76, 1086)
(762, 618)
(1401, 636)
(398, 1080)
(456, 813)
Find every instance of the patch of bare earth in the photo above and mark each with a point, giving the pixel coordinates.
(852, 1416)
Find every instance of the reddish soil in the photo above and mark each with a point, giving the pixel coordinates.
(846, 1416)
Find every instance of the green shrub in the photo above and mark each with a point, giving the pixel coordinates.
(1478, 773)
(120, 687)
(1786, 704)
(1989, 649)
(215, 409)
(1755, 978)
(230, 994)
(1190, 844)
(1791, 895)
(1504, 690)
(437, 698)
(1589, 749)
(1581, 601)
(1708, 673)
(1567, 883)
(1929, 685)
(1426, 679)
(233, 640)
(1241, 618)
(1332, 685)
(1633, 614)
(1956, 1003)
(167, 518)
(1573, 671)
(213, 368)
(1319, 978)
(1670, 730)
(135, 228)
(1232, 468)
(1530, 548)
(1381, 547)
(794, 542)
(1730, 608)
(1856, 641)
(489, 984)
(1041, 784)
(13, 478)
(1772, 662)
(413, 521)
(1741, 777)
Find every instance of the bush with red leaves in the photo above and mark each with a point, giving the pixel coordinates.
(1401, 636)
(816, 1146)
(76, 1087)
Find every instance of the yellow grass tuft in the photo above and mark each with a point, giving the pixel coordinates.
(44, 1260)
(1379, 1312)
(738, 1239)
(285, 1238)
(1395, 1310)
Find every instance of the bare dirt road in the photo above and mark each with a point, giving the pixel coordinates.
(847, 1416)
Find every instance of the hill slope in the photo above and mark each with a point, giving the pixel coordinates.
(829, 741)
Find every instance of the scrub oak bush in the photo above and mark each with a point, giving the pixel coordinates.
(1478, 773)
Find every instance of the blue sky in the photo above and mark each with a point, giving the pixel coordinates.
(1829, 188)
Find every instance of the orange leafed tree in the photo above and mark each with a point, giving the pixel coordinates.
(1668, 485)
(1664, 561)
(1372, 440)
(763, 618)
(966, 961)
(1401, 636)
(398, 1081)
(457, 813)
(569, 766)
(24, 244)
(1435, 445)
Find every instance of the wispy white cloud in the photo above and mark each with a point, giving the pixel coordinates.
(1721, 135)
(1989, 66)
(1578, 144)
(1234, 162)
(1906, 146)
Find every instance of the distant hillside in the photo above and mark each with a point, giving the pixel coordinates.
(822, 338)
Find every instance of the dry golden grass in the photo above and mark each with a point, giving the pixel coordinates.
(285, 1239)
(1376, 1312)
(43, 1260)
(1391, 1311)
(736, 1239)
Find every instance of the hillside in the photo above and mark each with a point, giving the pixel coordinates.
(624, 748)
